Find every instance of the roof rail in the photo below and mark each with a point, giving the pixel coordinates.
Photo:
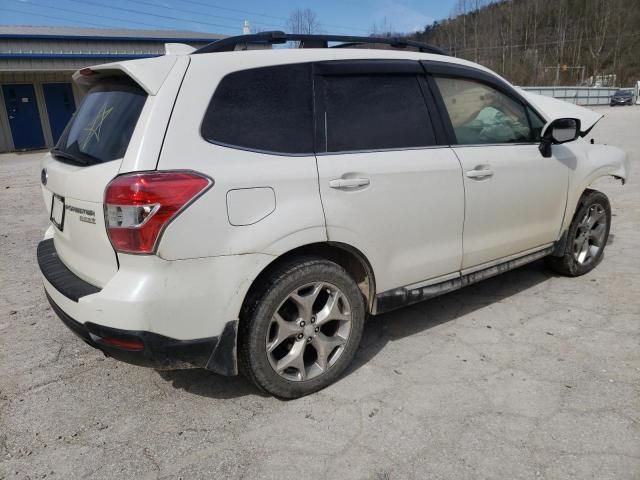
(311, 41)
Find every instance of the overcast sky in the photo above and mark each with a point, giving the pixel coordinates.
(354, 17)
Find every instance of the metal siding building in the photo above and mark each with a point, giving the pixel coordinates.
(37, 96)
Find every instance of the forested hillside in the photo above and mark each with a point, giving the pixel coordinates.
(545, 42)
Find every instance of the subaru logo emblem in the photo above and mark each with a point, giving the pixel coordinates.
(44, 176)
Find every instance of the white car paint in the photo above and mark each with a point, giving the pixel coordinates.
(496, 228)
(205, 263)
(406, 198)
(592, 162)
(83, 247)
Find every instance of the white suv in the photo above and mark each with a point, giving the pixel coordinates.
(246, 210)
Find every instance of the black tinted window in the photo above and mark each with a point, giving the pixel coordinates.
(102, 127)
(372, 112)
(266, 109)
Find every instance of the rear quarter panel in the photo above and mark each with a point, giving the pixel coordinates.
(204, 229)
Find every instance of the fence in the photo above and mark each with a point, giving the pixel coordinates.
(577, 95)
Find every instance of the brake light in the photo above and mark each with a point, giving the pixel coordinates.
(139, 206)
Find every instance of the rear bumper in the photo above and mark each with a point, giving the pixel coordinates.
(148, 349)
(59, 276)
(157, 314)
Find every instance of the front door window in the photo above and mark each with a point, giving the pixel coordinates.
(481, 114)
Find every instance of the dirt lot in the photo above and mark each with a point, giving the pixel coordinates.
(527, 375)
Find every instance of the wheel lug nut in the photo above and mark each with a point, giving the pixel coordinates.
(309, 339)
(313, 319)
(300, 336)
(317, 329)
(302, 323)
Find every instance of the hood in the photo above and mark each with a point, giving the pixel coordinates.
(552, 109)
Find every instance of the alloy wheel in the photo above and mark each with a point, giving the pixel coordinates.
(309, 331)
(590, 235)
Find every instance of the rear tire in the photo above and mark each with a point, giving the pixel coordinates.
(301, 328)
(586, 238)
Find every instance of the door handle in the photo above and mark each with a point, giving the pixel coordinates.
(480, 173)
(348, 183)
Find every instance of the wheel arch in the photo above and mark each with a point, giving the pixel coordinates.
(560, 245)
(597, 161)
(345, 255)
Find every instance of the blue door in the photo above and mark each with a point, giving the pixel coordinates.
(60, 106)
(24, 118)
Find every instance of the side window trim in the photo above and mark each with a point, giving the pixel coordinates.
(441, 108)
(384, 66)
(363, 67)
(319, 109)
(451, 70)
(439, 129)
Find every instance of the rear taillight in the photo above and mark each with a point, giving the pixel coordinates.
(138, 206)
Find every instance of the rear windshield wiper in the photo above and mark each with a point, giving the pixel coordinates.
(69, 156)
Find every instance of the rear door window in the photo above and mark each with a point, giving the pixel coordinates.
(375, 112)
(266, 109)
(102, 127)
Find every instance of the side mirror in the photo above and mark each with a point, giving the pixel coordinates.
(562, 130)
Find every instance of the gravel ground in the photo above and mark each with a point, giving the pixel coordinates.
(526, 375)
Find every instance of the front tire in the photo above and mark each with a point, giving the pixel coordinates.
(301, 328)
(587, 236)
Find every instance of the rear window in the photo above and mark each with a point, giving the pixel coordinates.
(375, 112)
(101, 129)
(267, 109)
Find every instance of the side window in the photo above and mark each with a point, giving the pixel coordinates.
(268, 109)
(481, 114)
(375, 112)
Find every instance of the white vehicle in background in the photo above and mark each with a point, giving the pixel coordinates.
(246, 210)
(637, 92)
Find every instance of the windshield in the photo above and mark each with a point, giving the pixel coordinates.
(623, 93)
(101, 128)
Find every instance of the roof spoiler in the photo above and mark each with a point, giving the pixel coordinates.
(178, 49)
(149, 73)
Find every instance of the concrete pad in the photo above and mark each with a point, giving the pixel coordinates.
(526, 375)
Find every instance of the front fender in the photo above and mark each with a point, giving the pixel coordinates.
(594, 161)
